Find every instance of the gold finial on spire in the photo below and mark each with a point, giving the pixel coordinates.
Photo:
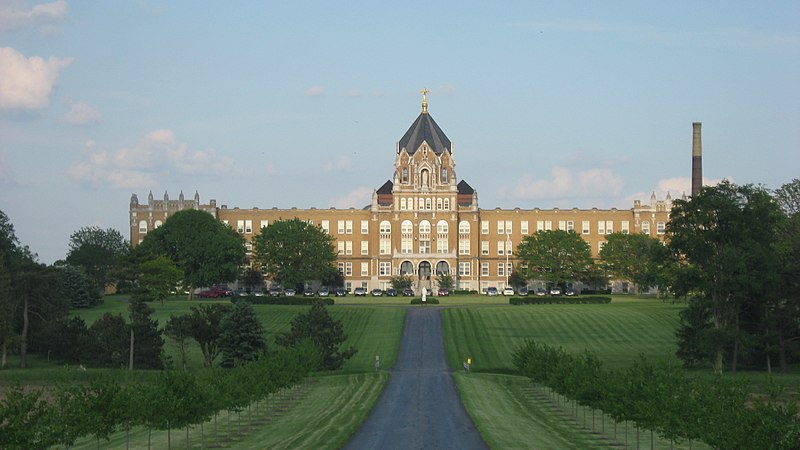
(424, 92)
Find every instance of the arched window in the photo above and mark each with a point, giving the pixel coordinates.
(406, 268)
(404, 178)
(441, 227)
(427, 203)
(447, 204)
(424, 227)
(444, 175)
(402, 204)
(407, 227)
(646, 227)
(439, 203)
(463, 227)
(157, 224)
(386, 227)
(142, 227)
(442, 268)
(424, 175)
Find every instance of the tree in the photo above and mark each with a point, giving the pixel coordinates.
(204, 249)
(81, 290)
(324, 332)
(251, 278)
(9, 255)
(401, 282)
(155, 278)
(179, 329)
(108, 341)
(724, 240)
(242, 338)
(98, 252)
(146, 343)
(635, 257)
(556, 256)
(292, 252)
(788, 197)
(206, 329)
(517, 279)
(446, 281)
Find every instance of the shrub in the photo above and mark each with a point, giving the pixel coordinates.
(428, 300)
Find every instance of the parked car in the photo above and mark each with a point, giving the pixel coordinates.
(341, 292)
(289, 292)
(275, 291)
(523, 291)
(240, 292)
(215, 292)
(407, 292)
(508, 290)
(555, 291)
(258, 293)
(391, 293)
(442, 293)
(541, 292)
(492, 291)
(570, 292)
(308, 292)
(323, 292)
(377, 292)
(360, 292)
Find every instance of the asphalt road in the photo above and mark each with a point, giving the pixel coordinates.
(420, 407)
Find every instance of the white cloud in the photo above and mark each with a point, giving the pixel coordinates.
(357, 198)
(355, 93)
(27, 83)
(565, 184)
(15, 14)
(81, 114)
(676, 187)
(315, 91)
(342, 164)
(157, 156)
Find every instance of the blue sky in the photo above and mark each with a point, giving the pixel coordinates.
(549, 104)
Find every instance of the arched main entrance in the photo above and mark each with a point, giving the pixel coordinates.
(424, 270)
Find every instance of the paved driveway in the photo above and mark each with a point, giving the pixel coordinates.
(420, 407)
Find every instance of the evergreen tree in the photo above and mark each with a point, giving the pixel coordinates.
(80, 289)
(146, 343)
(107, 345)
(242, 338)
(324, 332)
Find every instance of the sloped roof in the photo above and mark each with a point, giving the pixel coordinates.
(425, 129)
(386, 188)
(465, 188)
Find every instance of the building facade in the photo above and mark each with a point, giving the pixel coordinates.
(423, 222)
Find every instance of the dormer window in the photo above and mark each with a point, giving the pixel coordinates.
(444, 175)
(404, 177)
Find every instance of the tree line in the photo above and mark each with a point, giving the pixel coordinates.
(664, 399)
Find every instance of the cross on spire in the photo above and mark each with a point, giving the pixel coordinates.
(424, 92)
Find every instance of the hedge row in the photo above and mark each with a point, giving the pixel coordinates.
(253, 300)
(33, 419)
(428, 301)
(595, 300)
(665, 399)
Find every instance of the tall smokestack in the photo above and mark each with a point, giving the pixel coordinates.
(697, 159)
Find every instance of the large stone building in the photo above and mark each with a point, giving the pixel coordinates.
(422, 222)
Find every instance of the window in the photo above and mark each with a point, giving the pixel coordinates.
(326, 226)
(626, 227)
(406, 245)
(501, 245)
(157, 224)
(407, 227)
(142, 227)
(444, 175)
(509, 228)
(441, 227)
(248, 246)
(225, 222)
(600, 246)
(438, 203)
(386, 227)
(340, 247)
(548, 225)
(365, 247)
(348, 247)
(428, 204)
(364, 269)
(484, 227)
(348, 269)
(424, 246)
(447, 204)
(501, 227)
(463, 269)
(463, 227)
(485, 269)
(523, 227)
(539, 225)
(484, 247)
(442, 246)
(609, 226)
(660, 228)
(463, 246)
(501, 269)
(385, 268)
(402, 204)
(348, 227)
(562, 224)
(424, 227)
(585, 227)
(265, 223)
(340, 227)
(365, 227)
(646, 227)
(601, 227)
(404, 177)
(248, 226)
(570, 225)
(240, 226)
(340, 266)
(385, 246)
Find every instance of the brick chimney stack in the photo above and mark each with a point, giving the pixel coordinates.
(697, 159)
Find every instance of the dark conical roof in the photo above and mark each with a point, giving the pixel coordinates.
(425, 129)
(386, 188)
(465, 188)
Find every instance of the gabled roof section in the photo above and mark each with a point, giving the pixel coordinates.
(465, 188)
(386, 188)
(425, 129)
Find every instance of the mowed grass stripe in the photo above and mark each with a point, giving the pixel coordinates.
(616, 333)
(509, 417)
